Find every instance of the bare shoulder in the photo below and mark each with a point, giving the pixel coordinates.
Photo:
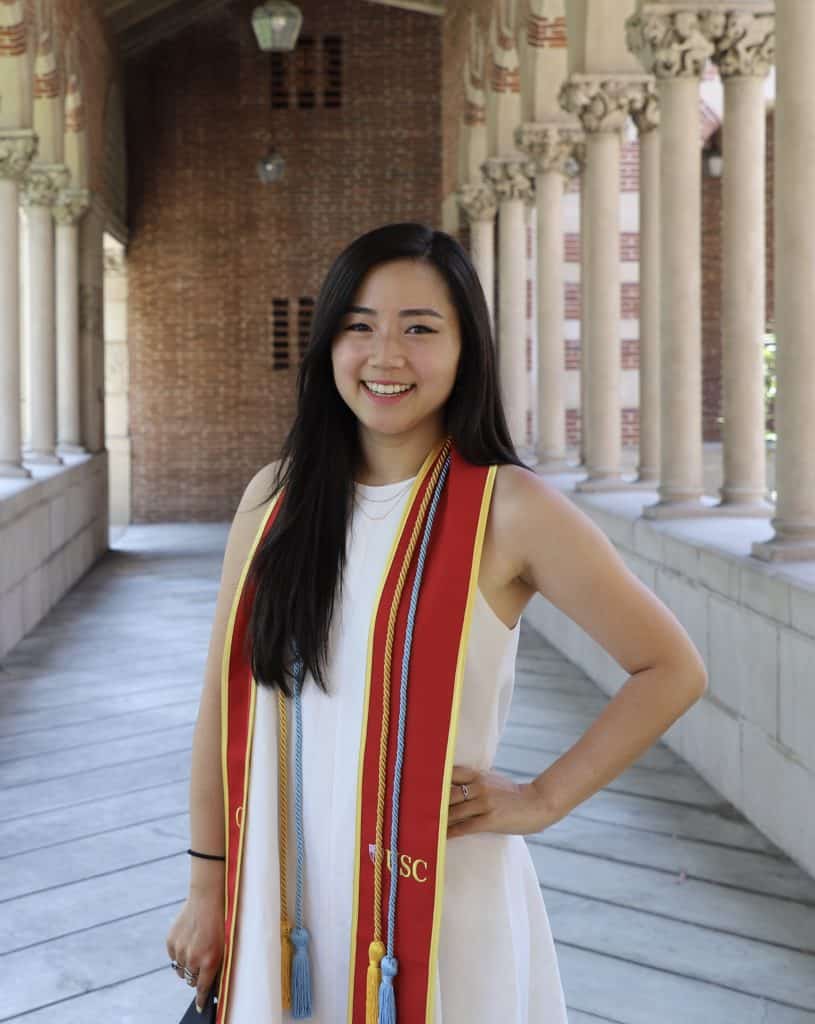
(548, 535)
(562, 554)
(520, 499)
(515, 486)
(243, 530)
(259, 489)
(249, 516)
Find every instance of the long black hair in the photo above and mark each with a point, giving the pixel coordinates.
(298, 567)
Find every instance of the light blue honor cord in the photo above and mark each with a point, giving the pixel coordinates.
(301, 967)
(389, 964)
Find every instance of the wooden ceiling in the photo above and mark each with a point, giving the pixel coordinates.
(138, 24)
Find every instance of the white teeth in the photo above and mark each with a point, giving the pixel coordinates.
(387, 389)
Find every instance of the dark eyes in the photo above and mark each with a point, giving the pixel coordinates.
(424, 327)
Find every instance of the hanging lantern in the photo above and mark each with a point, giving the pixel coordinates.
(277, 25)
(271, 167)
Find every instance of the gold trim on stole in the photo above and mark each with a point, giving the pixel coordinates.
(444, 811)
(421, 477)
(223, 992)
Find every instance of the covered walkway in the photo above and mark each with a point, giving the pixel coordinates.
(666, 904)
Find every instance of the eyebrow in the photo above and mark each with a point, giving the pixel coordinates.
(402, 312)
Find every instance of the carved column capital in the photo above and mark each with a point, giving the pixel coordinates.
(550, 146)
(71, 205)
(42, 184)
(743, 41)
(17, 151)
(602, 104)
(668, 44)
(644, 108)
(477, 201)
(510, 177)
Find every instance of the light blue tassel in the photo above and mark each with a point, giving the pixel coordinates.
(300, 966)
(300, 975)
(387, 997)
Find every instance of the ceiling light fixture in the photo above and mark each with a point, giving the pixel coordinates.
(271, 167)
(276, 24)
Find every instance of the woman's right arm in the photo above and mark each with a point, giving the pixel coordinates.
(196, 936)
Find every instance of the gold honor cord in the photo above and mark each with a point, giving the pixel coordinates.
(376, 950)
(282, 835)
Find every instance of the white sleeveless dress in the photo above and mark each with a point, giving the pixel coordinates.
(497, 959)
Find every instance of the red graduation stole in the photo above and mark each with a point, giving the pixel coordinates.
(438, 652)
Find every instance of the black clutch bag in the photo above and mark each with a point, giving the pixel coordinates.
(207, 1015)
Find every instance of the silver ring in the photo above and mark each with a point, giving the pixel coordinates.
(189, 975)
(465, 789)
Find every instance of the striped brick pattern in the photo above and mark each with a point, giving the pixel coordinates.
(546, 32)
(12, 29)
(629, 247)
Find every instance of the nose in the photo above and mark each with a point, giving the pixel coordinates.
(386, 349)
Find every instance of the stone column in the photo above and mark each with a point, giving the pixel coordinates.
(602, 104)
(551, 147)
(40, 190)
(17, 150)
(672, 47)
(511, 179)
(479, 204)
(69, 209)
(92, 326)
(744, 45)
(645, 114)
(794, 520)
(531, 323)
(585, 249)
(475, 197)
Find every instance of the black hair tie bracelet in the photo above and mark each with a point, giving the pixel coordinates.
(207, 856)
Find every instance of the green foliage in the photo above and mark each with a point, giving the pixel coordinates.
(769, 386)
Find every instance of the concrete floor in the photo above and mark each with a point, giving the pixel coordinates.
(666, 905)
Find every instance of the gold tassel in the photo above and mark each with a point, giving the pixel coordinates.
(285, 963)
(376, 951)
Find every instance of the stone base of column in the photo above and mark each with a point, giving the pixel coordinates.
(69, 448)
(646, 475)
(13, 469)
(691, 507)
(779, 549)
(612, 482)
(43, 458)
(758, 508)
(553, 464)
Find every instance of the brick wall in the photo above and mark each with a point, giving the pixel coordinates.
(770, 220)
(711, 308)
(712, 288)
(212, 248)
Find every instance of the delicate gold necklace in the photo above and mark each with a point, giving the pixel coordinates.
(393, 498)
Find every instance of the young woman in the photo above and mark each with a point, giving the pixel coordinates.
(399, 537)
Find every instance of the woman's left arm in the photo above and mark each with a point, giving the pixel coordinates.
(571, 562)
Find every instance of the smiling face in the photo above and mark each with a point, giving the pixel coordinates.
(401, 329)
